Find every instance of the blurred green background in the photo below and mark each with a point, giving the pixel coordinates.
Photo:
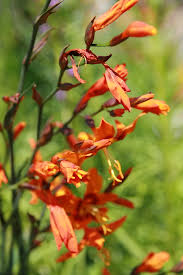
(154, 149)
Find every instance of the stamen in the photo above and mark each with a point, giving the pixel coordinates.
(116, 165)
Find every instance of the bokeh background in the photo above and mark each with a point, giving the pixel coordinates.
(154, 149)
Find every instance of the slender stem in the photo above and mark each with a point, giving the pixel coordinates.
(97, 112)
(50, 95)
(60, 130)
(10, 137)
(26, 62)
(15, 206)
(3, 237)
(45, 6)
(53, 92)
(70, 120)
(3, 241)
(10, 262)
(107, 44)
(6, 148)
(40, 111)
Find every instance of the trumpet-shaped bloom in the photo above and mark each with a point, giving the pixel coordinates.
(154, 106)
(152, 263)
(135, 29)
(112, 14)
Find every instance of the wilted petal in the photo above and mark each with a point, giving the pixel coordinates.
(117, 88)
(89, 34)
(36, 96)
(75, 71)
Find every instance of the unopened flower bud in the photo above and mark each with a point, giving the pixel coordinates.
(135, 29)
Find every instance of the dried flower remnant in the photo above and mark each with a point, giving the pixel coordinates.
(178, 267)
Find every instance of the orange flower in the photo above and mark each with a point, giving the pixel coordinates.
(94, 237)
(135, 29)
(44, 168)
(18, 129)
(152, 263)
(62, 229)
(107, 131)
(117, 87)
(3, 177)
(154, 106)
(100, 87)
(111, 15)
(73, 173)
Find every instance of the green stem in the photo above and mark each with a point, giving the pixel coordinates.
(45, 6)
(97, 112)
(40, 111)
(66, 124)
(12, 163)
(107, 44)
(70, 120)
(26, 62)
(53, 92)
(3, 241)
